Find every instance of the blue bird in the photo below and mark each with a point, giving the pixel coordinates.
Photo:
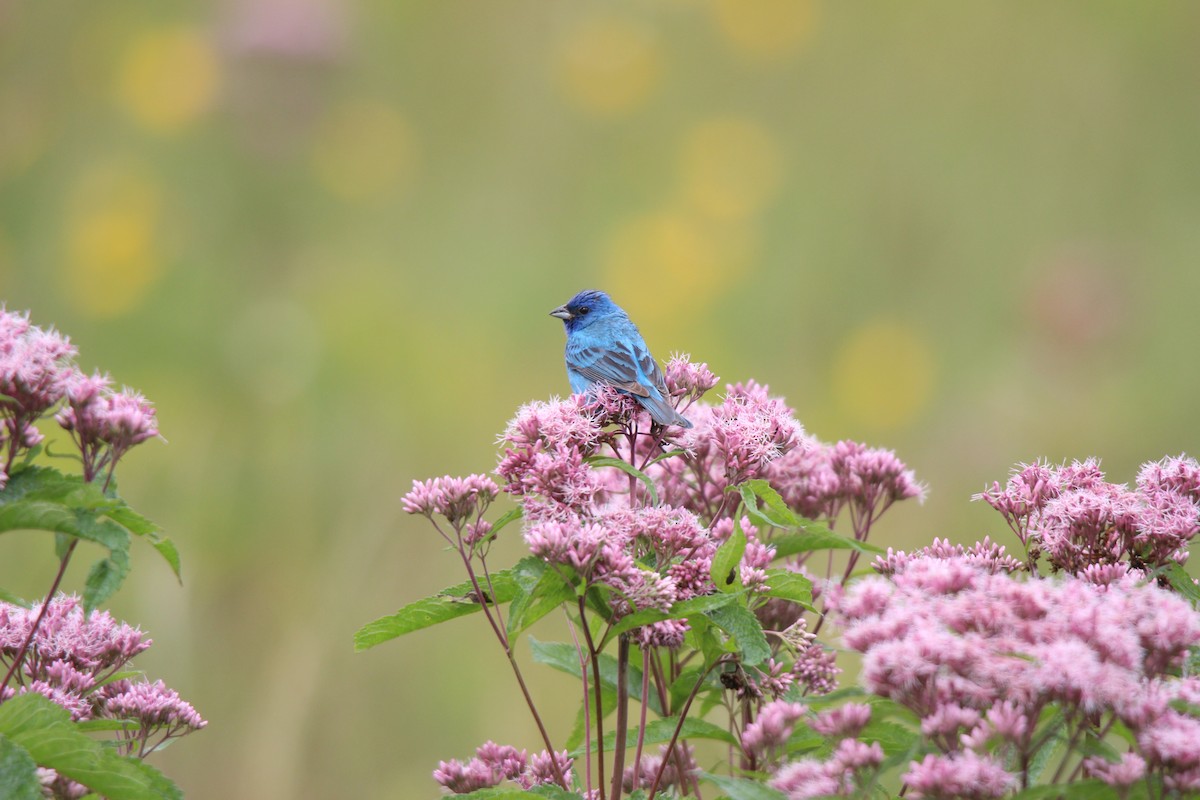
(604, 347)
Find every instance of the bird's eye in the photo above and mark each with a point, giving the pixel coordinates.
(584, 310)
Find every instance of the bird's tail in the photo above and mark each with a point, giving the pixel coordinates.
(663, 412)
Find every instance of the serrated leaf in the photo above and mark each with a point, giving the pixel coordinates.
(46, 732)
(1075, 790)
(42, 498)
(564, 658)
(814, 536)
(628, 469)
(893, 737)
(787, 585)
(740, 623)
(138, 525)
(18, 772)
(450, 603)
(727, 559)
(104, 578)
(684, 609)
(1182, 582)
(775, 512)
(742, 788)
(540, 590)
(502, 793)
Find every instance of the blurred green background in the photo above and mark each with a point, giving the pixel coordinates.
(323, 237)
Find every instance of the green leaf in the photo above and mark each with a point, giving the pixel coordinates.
(450, 603)
(740, 623)
(564, 658)
(893, 737)
(659, 731)
(814, 536)
(742, 788)
(1075, 790)
(1182, 582)
(684, 609)
(540, 590)
(629, 469)
(728, 558)
(788, 585)
(46, 732)
(536, 793)
(18, 772)
(105, 578)
(509, 517)
(775, 513)
(138, 525)
(10, 598)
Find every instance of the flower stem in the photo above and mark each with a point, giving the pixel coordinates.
(687, 704)
(62, 569)
(599, 703)
(618, 768)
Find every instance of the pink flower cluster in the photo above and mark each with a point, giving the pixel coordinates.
(980, 655)
(728, 444)
(987, 555)
(680, 769)
(493, 764)
(71, 659)
(843, 774)
(1079, 521)
(820, 480)
(37, 373)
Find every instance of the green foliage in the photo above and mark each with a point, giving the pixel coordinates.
(44, 731)
(564, 658)
(661, 731)
(42, 498)
(539, 590)
(740, 623)
(456, 601)
(18, 772)
(727, 559)
(743, 788)
(629, 469)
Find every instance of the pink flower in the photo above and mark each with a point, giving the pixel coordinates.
(845, 721)
(688, 379)
(958, 775)
(459, 500)
(1130, 769)
(773, 727)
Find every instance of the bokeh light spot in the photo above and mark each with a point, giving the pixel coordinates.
(364, 149)
(169, 78)
(765, 29)
(609, 67)
(112, 260)
(883, 375)
(730, 167)
(672, 254)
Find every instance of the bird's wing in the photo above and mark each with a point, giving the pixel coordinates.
(617, 365)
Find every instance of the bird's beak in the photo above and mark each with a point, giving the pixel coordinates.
(562, 313)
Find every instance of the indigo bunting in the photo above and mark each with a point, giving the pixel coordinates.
(604, 347)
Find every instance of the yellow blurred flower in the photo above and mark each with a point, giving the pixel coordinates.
(111, 260)
(883, 375)
(364, 149)
(168, 78)
(765, 29)
(672, 254)
(609, 66)
(730, 167)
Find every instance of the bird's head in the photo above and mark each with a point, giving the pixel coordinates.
(585, 308)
